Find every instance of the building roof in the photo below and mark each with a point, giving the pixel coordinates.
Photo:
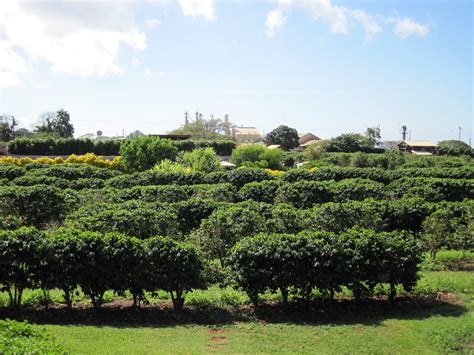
(273, 146)
(417, 152)
(305, 144)
(227, 164)
(419, 143)
(251, 131)
(300, 135)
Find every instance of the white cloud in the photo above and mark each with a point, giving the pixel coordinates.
(147, 71)
(340, 19)
(152, 23)
(275, 20)
(73, 37)
(368, 23)
(197, 8)
(336, 17)
(406, 27)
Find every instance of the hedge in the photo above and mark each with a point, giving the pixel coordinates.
(67, 146)
(67, 259)
(358, 260)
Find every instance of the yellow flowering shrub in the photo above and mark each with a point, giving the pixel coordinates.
(89, 158)
(275, 172)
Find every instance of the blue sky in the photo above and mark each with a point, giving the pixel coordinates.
(322, 66)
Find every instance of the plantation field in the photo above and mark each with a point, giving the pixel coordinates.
(424, 325)
(328, 259)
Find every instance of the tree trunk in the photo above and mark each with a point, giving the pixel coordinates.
(284, 295)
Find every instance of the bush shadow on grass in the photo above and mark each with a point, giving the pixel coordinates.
(370, 311)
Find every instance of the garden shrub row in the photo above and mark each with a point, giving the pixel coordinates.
(67, 259)
(300, 264)
(63, 146)
(67, 146)
(237, 177)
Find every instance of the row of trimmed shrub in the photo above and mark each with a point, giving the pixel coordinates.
(302, 194)
(67, 259)
(237, 177)
(66, 146)
(86, 159)
(300, 264)
(63, 146)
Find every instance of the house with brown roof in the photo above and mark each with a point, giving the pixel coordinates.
(417, 147)
(306, 139)
(247, 134)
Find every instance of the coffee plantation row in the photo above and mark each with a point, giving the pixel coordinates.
(259, 230)
(67, 259)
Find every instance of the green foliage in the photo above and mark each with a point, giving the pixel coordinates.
(143, 153)
(140, 221)
(23, 338)
(256, 155)
(62, 146)
(174, 267)
(57, 123)
(358, 259)
(10, 171)
(203, 159)
(36, 205)
(454, 148)
(264, 191)
(222, 147)
(224, 227)
(351, 142)
(19, 262)
(284, 136)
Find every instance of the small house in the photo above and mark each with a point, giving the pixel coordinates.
(305, 139)
(417, 147)
(247, 134)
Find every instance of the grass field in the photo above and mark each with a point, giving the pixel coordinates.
(439, 320)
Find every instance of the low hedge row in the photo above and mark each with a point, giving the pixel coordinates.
(67, 146)
(237, 177)
(357, 259)
(67, 259)
(63, 146)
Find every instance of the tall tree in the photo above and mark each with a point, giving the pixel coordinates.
(7, 127)
(373, 134)
(285, 136)
(57, 123)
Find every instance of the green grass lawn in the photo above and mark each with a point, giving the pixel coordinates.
(425, 327)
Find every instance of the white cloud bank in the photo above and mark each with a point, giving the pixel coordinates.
(72, 37)
(340, 19)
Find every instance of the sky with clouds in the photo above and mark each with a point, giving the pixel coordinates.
(326, 66)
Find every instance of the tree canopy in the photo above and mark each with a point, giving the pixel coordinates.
(56, 123)
(284, 136)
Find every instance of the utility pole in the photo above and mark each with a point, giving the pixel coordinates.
(404, 132)
(460, 129)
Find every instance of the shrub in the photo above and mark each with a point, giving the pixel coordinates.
(358, 259)
(141, 221)
(19, 262)
(454, 148)
(36, 205)
(240, 177)
(258, 155)
(143, 153)
(10, 171)
(203, 159)
(225, 226)
(174, 267)
(264, 191)
(305, 194)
